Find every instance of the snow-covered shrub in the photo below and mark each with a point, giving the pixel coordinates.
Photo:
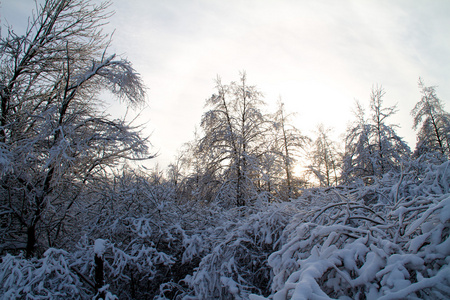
(129, 271)
(341, 260)
(154, 239)
(50, 277)
(237, 263)
(388, 240)
(394, 248)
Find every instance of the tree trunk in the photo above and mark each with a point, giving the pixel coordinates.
(99, 280)
(31, 240)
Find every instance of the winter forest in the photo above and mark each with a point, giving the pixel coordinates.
(367, 217)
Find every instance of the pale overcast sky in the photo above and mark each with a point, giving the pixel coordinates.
(318, 56)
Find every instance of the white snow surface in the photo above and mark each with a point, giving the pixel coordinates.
(99, 247)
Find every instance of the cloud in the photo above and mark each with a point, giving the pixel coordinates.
(317, 55)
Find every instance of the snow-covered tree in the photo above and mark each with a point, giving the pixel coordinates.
(433, 123)
(233, 130)
(372, 147)
(325, 158)
(200, 179)
(54, 139)
(287, 141)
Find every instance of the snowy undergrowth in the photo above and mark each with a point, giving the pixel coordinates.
(237, 264)
(394, 248)
(47, 278)
(350, 262)
(389, 240)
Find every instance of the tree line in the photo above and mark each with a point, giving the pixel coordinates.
(242, 153)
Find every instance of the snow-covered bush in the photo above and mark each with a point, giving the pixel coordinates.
(49, 277)
(130, 271)
(388, 240)
(393, 248)
(237, 262)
